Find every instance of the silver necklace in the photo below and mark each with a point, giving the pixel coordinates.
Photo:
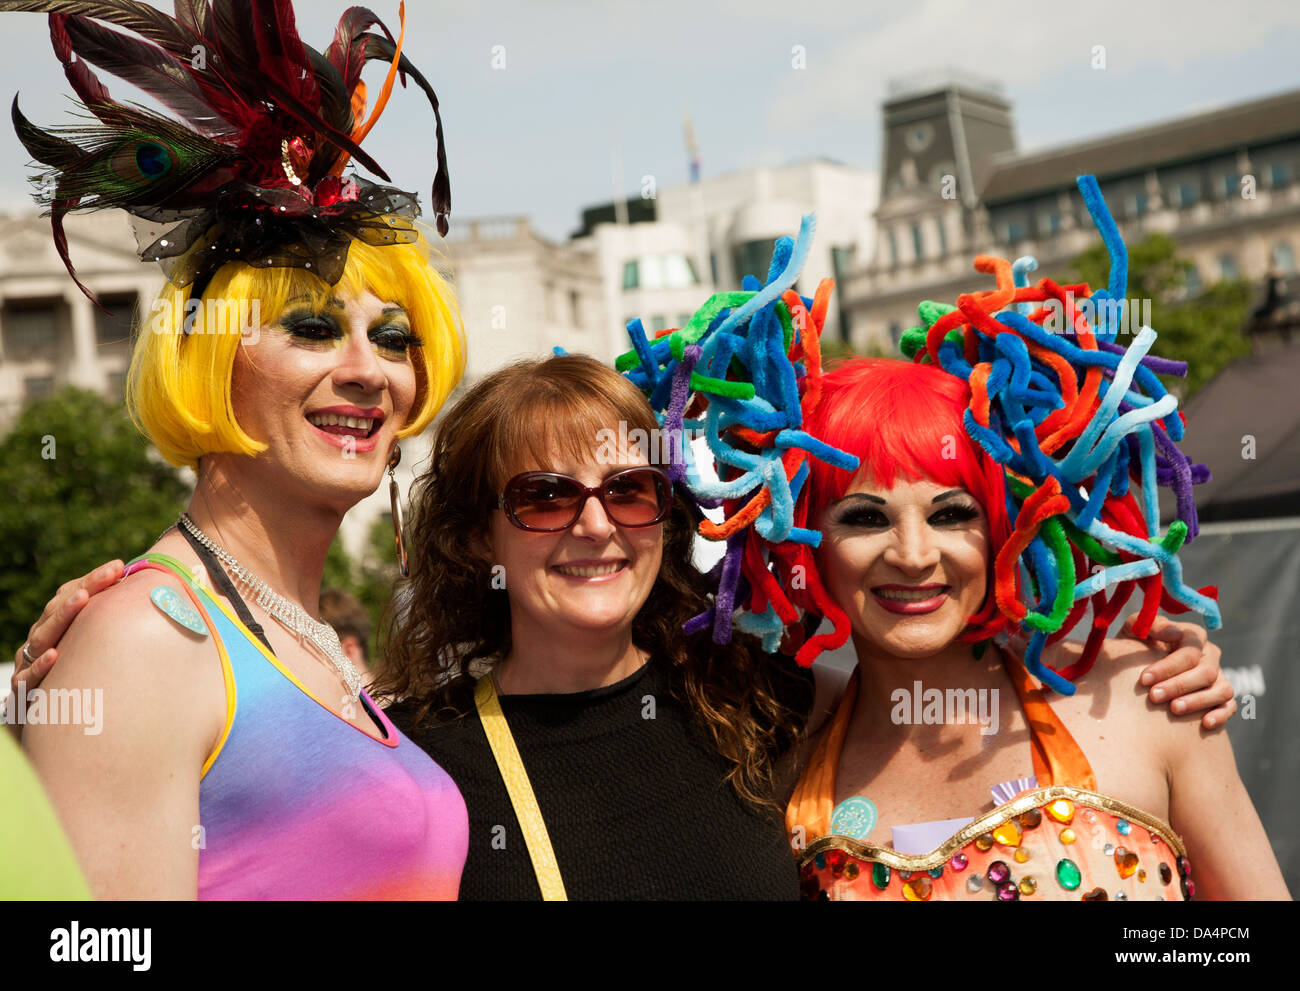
(290, 615)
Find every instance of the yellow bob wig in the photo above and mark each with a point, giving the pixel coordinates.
(178, 386)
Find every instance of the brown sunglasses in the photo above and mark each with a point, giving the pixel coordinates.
(547, 502)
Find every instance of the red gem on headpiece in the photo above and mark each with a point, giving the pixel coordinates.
(332, 189)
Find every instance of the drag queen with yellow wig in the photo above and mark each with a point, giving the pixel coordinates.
(302, 333)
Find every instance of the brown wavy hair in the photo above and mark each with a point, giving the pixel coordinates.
(449, 625)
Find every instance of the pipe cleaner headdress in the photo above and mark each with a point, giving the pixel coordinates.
(1070, 417)
(252, 168)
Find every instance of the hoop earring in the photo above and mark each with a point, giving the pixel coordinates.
(395, 500)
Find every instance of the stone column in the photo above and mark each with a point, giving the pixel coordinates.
(83, 366)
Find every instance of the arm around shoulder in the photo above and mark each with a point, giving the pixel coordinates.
(129, 715)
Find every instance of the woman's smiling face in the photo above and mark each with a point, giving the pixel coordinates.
(592, 578)
(908, 564)
(326, 387)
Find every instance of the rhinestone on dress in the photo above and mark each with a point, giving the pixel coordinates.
(1062, 810)
(1068, 874)
(917, 888)
(1126, 862)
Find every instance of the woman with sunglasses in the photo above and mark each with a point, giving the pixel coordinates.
(539, 649)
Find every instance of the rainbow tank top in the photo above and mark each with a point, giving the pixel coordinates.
(297, 803)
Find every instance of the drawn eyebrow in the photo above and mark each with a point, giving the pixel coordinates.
(947, 495)
(863, 497)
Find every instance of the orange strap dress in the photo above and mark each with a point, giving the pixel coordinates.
(1059, 841)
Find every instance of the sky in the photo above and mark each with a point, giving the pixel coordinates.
(540, 98)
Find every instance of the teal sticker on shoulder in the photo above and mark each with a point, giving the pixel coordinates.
(855, 817)
(174, 606)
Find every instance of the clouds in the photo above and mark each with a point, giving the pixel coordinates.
(535, 137)
(1026, 45)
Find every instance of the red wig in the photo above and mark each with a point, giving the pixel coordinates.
(904, 420)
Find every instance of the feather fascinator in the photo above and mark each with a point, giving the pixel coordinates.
(251, 167)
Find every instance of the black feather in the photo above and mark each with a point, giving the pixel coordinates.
(381, 48)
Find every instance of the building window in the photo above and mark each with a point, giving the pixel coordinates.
(1228, 267)
(575, 308)
(1188, 193)
(893, 247)
(1192, 281)
(652, 273)
(1140, 204)
(1279, 174)
(919, 136)
(943, 236)
(713, 266)
(917, 247)
(115, 330)
(1284, 258)
(38, 387)
(679, 272)
(841, 260)
(1014, 232)
(631, 274)
(31, 330)
(752, 258)
(683, 319)
(895, 332)
(1050, 222)
(658, 322)
(1231, 183)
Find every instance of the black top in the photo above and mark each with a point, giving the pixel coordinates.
(632, 792)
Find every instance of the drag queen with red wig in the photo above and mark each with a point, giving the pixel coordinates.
(1002, 483)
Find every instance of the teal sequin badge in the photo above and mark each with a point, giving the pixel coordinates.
(172, 605)
(854, 817)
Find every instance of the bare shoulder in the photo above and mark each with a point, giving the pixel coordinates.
(1115, 673)
(124, 619)
(1111, 692)
(147, 665)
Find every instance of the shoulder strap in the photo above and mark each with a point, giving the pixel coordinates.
(227, 587)
(813, 800)
(511, 766)
(162, 562)
(1058, 760)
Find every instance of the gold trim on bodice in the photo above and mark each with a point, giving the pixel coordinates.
(990, 821)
